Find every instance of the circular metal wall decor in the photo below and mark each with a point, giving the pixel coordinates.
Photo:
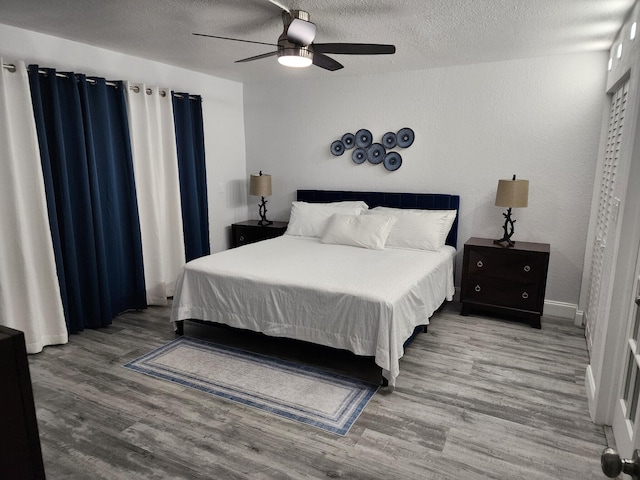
(405, 137)
(348, 140)
(389, 140)
(376, 153)
(392, 161)
(337, 148)
(359, 155)
(363, 138)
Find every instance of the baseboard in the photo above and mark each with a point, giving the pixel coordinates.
(590, 386)
(551, 308)
(560, 309)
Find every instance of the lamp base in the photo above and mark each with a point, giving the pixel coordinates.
(506, 241)
(262, 210)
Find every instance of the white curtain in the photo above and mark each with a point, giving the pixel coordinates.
(155, 165)
(29, 291)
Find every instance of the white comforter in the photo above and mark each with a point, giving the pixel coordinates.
(365, 301)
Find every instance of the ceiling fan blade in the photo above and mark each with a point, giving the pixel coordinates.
(325, 62)
(234, 39)
(354, 48)
(279, 5)
(257, 57)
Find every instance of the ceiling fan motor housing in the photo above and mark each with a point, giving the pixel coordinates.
(296, 38)
(288, 17)
(288, 49)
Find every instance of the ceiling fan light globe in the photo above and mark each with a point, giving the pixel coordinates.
(294, 61)
(298, 57)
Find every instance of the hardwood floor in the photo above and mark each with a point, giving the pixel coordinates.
(476, 398)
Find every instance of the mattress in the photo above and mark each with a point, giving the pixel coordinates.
(366, 301)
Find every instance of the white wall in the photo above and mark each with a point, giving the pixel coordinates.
(536, 118)
(222, 110)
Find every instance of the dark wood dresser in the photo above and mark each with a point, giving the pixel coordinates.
(503, 280)
(243, 233)
(20, 452)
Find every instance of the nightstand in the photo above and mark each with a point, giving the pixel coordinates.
(243, 233)
(503, 280)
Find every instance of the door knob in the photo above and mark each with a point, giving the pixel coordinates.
(613, 465)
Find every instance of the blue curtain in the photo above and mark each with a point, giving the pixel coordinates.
(187, 114)
(83, 135)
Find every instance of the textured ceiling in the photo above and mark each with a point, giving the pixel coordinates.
(427, 33)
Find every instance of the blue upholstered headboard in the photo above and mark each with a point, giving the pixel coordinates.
(420, 201)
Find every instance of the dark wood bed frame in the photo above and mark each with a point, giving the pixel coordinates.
(420, 201)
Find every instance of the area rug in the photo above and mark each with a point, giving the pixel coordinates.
(296, 392)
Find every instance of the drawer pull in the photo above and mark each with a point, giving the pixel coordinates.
(525, 295)
(480, 264)
(477, 289)
(527, 268)
(242, 238)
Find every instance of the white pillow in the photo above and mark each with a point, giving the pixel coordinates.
(310, 219)
(418, 229)
(345, 203)
(367, 231)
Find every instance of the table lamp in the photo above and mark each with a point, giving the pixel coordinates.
(260, 185)
(511, 194)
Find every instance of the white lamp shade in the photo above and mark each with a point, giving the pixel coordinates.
(512, 193)
(260, 185)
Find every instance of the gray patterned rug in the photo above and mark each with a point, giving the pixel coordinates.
(297, 392)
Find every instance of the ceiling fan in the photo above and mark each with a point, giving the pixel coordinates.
(295, 47)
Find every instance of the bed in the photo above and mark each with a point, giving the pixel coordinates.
(305, 286)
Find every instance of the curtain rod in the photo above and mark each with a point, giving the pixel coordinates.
(12, 68)
(191, 97)
(148, 91)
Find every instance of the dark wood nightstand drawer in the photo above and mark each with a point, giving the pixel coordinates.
(243, 233)
(495, 291)
(517, 267)
(503, 280)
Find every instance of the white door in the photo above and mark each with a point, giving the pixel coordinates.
(607, 211)
(626, 418)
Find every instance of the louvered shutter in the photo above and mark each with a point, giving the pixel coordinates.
(607, 208)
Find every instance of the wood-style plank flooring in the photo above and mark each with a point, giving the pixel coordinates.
(477, 398)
